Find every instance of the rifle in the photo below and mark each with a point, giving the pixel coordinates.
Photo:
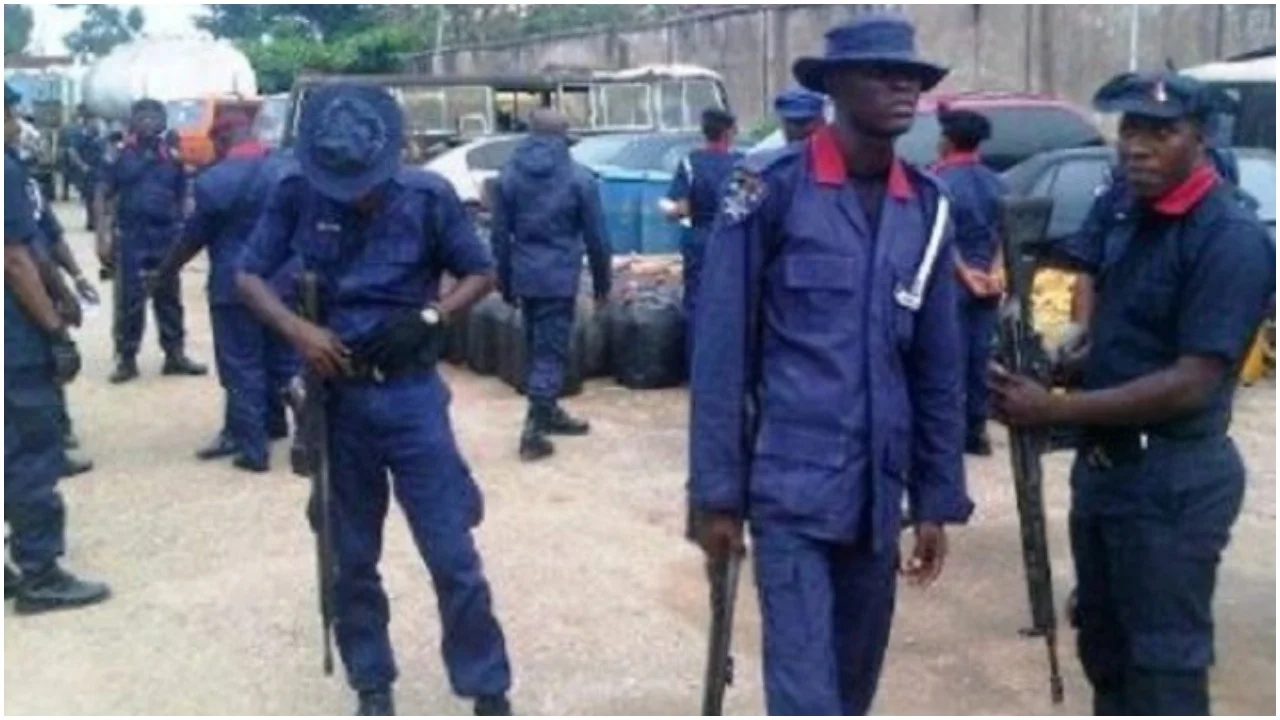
(1022, 226)
(309, 458)
(723, 575)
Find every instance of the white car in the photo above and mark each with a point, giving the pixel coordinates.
(467, 166)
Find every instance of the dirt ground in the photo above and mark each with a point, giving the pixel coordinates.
(602, 602)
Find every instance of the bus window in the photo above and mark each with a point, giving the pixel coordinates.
(623, 105)
(700, 94)
(671, 111)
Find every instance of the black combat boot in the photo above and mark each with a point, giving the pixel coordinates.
(126, 370)
(56, 589)
(376, 702)
(179, 364)
(976, 441)
(254, 465)
(534, 444)
(559, 422)
(222, 446)
(73, 465)
(493, 705)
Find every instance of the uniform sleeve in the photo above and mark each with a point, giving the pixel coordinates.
(936, 482)
(201, 227)
(720, 377)
(502, 231)
(681, 182)
(19, 223)
(461, 252)
(270, 244)
(1226, 295)
(596, 238)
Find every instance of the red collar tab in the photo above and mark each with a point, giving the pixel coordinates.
(1179, 201)
(247, 149)
(953, 159)
(828, 164)
(719, 146)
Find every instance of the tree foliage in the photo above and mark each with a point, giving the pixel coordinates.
(18, 21)
(104, 27)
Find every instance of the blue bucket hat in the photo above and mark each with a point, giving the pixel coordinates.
(1164, 95)
(886, 38)
(799, 105)
(349, 139)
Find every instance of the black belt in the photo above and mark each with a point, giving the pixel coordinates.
(1114, 449)
(363, 371)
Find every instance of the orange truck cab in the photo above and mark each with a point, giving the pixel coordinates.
(192, 120)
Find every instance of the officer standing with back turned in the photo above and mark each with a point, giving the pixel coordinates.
(377, 237)
(1182, 279)
(831, 383)
(546, 214)
(38, 355)
(800, 112)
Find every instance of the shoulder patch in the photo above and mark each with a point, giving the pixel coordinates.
(744, 194)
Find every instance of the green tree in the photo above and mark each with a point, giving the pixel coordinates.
(18, 21)
(103, 28)
(252, 22)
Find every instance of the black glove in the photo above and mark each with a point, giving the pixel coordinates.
(66, 358)
(400, 341)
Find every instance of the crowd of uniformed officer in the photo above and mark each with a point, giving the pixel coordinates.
(844, 302)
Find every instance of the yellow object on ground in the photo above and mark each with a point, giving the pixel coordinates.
(1255, 363)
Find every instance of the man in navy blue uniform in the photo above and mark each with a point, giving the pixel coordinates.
(800, 111)
(378, 236)
(546, 213)
(694, 197)
(832, 382)
(1182, 280)
(140, 204)
(38, 356)
(975, 190)
(229, 198)
(84, 155)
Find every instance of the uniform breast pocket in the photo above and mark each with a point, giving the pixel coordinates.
(1153, 299)
(818, 287)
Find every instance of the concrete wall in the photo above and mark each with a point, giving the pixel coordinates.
(1063, 50)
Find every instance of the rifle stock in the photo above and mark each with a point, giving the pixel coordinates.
(311, 457)
(723, 575)
(1022, 227)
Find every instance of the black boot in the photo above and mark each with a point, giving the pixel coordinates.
(559, 422)
(493, 705)
(11, 581)
(976, 441)
(56, 589)
(534, 444)
(222, 446)
(254, 465)
(126, 370)
(73, 465)
(179, 364)
(375, 702)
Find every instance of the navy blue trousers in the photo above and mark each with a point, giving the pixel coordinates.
(548, 332)
(33, 463)
(131, 315)
(1147, 537)
(826, 610)
(978, 327)
(377, 446)
(240, 354)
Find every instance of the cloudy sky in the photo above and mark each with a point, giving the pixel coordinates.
(53, 23)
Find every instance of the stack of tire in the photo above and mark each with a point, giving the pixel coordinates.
(637, 338)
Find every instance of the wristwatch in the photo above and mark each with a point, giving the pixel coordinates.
(432, 316)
